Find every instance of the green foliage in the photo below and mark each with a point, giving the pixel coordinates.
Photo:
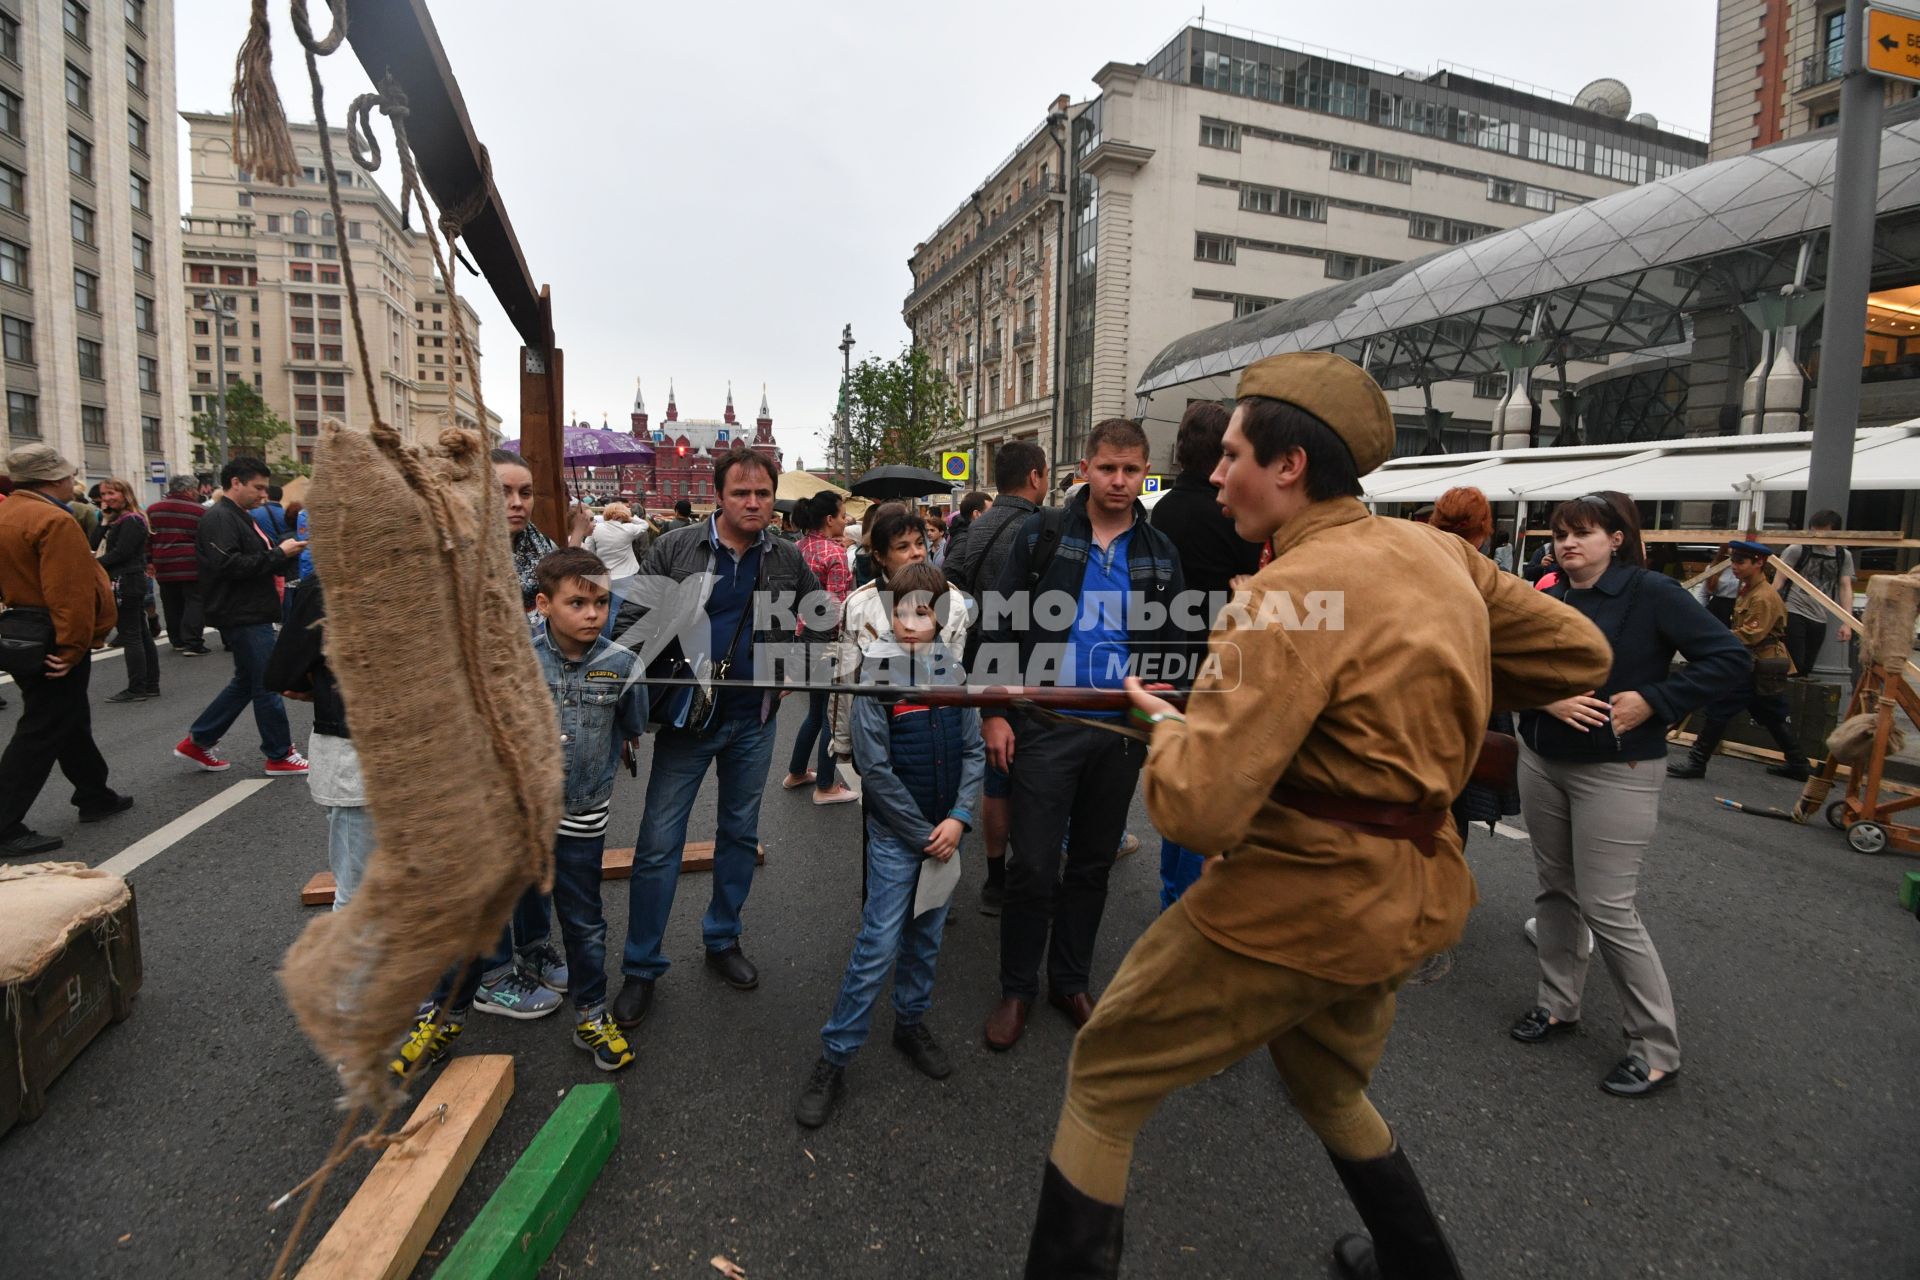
(252, 430)
(896, 409)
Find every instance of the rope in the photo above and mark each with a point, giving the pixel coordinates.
(262, 143)
(372, 1140)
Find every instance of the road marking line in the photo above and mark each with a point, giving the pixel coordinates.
(1511, 833)
(180, 828)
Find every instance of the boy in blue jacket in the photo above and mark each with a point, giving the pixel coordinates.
(922, 768)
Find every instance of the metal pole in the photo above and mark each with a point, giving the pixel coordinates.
(846, 405)
(1856, 187)
(216, 308)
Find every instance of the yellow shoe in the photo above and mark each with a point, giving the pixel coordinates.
(430, 1042)
(601, 1035)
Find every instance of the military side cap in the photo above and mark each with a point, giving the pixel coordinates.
(1333, 389)
(1749, 547)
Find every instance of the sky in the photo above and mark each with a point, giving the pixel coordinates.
(713, 190)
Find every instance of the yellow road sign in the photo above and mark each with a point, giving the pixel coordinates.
(1893, 44)
(956, 464)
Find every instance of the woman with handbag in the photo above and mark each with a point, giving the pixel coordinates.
(1590, 778)
(124, 556)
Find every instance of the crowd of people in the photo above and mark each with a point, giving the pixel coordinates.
(1311, 787)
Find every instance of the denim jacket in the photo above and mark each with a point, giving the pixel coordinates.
(918, 765)
(601, 703)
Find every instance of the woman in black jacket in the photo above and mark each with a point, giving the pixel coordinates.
(124, 556)
(1591, 769)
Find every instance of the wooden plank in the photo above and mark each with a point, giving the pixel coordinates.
(615, 864)
(524, 1219)
(382, 1232)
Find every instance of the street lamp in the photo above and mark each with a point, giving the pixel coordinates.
(215, 306)
(846, 407)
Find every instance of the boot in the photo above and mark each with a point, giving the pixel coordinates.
(1406, 1243)
(1075, 1237)
(1704, 745)
(1794, 765)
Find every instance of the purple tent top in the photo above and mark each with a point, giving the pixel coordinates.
(587, 446)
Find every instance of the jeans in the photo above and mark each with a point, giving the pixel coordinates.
(180, 605)
(349, 843)
(583, 925)
(1064, 774)
(250, 646)
(891, 936)
(136, 641)
(814, 729)
(741, 750)
(526, 927)
(1179, 868)
(55, 727)
(1804, 638)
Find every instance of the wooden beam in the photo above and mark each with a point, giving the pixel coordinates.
(541, 441)
(615, 864)
(387, 1225)
(522, 1222)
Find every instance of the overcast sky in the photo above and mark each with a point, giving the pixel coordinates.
(713, 190)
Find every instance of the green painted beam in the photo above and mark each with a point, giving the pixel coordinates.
(523, 1221)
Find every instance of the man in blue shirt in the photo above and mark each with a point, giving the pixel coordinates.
(1123, 576)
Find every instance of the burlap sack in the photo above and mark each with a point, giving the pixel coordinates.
(455, 731)
(1886, 628)
(44, 904)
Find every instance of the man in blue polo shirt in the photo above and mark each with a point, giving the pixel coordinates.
(1122, 575)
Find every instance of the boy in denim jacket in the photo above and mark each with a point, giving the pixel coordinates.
(602, 707)
(922, 768)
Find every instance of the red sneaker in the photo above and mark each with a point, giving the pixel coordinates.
(293, 762)
(200, 757)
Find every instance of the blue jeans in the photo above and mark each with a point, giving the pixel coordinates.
(741, 750)
(813, 728)
(1179, 868)
(583, 925)
(891, 936)
(249, 646)
(528, 925)
(349, 842)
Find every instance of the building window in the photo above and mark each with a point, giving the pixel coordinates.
(1833, 44)
(1393, 168)
(1349, 266)
(301, 225)
(79, 89)
(137, 131)
(13, 189)
(353, 231)
(142, 254)
(92, 364)
(142, 191)
(334, 404)
(329, 352)
(233, 355)
(143, 317)
(150, 434)
(1349, 161)
(81, 218)
(23, 414)
(1821, 120)
(1026, 379)
(1619, 164)
(1490, 386)
(18, 339)
(273, 224)
(13, 264)
(1244, 305)
(9, 37)
(1556, 148)
(73, 17)
(1423, 226)
(303, 351)
(10, 113)
(1208, 248)
(302, 300)
(79, 157)
(149, 374)
(86, 290)
(303, 324)
(300, 273)
(136, 13)
(329, 275)
(136, 72)
(1220, 134)
(1311, 208)
(93, 424)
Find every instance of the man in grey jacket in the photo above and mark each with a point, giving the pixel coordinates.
(1020, 473)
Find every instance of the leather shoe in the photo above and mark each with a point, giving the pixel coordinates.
(1006, 1024)
(25, 841)
(1631, 1079)
(734, 968)
(1536, 1025)
(1078, 1006)
(630, 1007)
(1797, 770)
(99, 813)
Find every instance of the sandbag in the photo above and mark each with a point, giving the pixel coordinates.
(453, 725)
(1886, 628)
(1851, 743)
(45, 903)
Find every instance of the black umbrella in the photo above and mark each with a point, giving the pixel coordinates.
(900, 482)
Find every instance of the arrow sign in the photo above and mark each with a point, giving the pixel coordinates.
(1893, 44)
(1888, 43)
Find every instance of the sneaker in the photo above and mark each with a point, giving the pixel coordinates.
(292, 763)
(130, 695)
(596, 1031)
(548, 967)
(193, 650)
(923, 1050)
(430, 1041)
(516, 994)
(1532, 930)
(820, 1094)
(200, 757)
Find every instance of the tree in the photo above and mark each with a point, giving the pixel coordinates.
(896, 409)
(252, 429)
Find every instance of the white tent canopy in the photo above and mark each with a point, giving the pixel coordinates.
(1713, 469)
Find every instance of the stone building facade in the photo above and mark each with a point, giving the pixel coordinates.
(1776, 71)
(685, 450)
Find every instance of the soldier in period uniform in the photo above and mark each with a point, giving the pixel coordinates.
(1355, 675)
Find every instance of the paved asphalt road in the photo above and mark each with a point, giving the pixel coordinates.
(1788, 1148)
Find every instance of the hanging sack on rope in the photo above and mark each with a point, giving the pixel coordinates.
(456, 735)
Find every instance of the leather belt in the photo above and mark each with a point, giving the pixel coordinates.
(1368, 817)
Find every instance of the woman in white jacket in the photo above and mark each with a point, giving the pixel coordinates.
(619, 540)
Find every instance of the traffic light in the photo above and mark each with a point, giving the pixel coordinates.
(682, 449)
